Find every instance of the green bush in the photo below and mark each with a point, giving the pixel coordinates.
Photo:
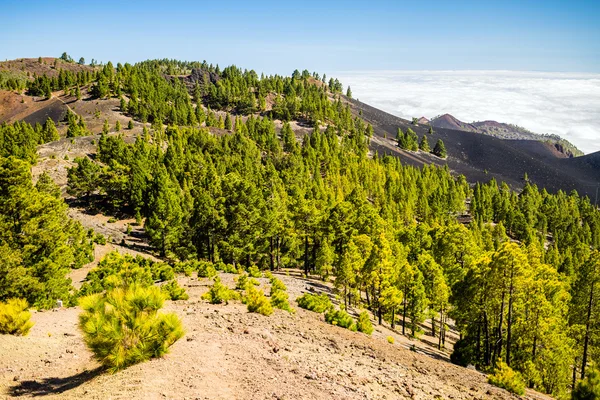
(254, 282)
(119, 270)
(254, 272)
(504, 377)
(122, 327)
(390, 339)
(219, 265)
(219, 293)
(206, 270)
(165, 273)
(100, 239)
(230, 269)
(588, 388)
(14, 317)
(364, 324)
(241, 281)
(315, 302)
(279, 299)
(340, 318)
(462, 354)
(257, 302)
(277, 285)
(173, 291)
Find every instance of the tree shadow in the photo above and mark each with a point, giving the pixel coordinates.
(48, 386)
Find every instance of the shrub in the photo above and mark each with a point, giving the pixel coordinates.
(504, 377)
(254, 272)
(219, 293)
(340, 318)
(206, 270)
(219, 265)
(588, 388)
(14, 317)
(364, 324)
(119, 270)
(279, 299)
(277, 285)
(390, 339)
(122, 327)
(315, 302)
(100, 239)
(254, 282)
(242, 281)
(257, 302)
(230, 269)
(462, 353)
(173, 291)
(165, 273)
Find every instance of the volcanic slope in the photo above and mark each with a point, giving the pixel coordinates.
(482, 157)
(228, 353)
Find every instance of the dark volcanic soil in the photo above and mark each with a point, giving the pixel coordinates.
(481, 157)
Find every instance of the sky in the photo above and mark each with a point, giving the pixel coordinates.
(334, 36)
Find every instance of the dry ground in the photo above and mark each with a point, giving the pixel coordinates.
(228, 353)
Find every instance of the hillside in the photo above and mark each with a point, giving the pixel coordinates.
(189, 168)
(230, 354)
(507, 131)
(481, 157)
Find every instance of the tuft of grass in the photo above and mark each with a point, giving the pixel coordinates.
(390, 339)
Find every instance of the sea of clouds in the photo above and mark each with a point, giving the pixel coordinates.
(567, 104)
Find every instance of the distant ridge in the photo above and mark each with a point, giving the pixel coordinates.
(506, 131)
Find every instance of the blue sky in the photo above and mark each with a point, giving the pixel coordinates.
(279, 36)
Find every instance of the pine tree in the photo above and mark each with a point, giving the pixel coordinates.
(439, 149)
(50, 132)
(228, 124)
(164, 222)
(349, 93)
(424, 144)
(118, 126)
(130, 124)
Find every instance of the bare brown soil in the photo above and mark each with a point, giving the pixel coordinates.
(32, 66)
(228, 353)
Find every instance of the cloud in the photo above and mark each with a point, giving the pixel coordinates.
(567, 104)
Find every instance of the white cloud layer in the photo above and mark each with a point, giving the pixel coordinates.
(567, 104)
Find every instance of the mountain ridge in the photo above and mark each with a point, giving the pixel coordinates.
(505, 131)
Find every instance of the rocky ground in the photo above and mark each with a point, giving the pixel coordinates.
(228, 353)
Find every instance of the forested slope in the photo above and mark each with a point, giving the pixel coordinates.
(213, 171)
